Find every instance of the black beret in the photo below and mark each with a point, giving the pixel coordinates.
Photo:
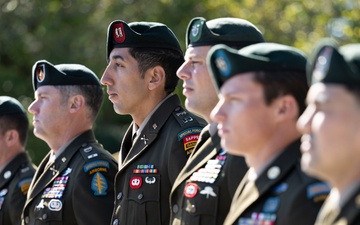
(225, 62)
(140, 34)
(9, 105)
(329, 63)
(45, 73)
(229, 31)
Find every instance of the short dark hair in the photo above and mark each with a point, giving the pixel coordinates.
(280, 83)
(16, 121)
(168, 59)
(93, 94)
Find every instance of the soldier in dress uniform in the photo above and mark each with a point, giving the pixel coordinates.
(262, 91)
(140, 77)
(74, 183)
(203, 190)
(16, 168)
(330, 127)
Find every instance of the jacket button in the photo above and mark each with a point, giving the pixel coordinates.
(119, 195)
(175, 208)
(27, 219)
(140, 196)
(193, 209)
(44, 216)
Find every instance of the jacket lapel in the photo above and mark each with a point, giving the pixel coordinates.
(254, 190)
(10, 169)
(44, 176)
(200, 157)
(149, 132)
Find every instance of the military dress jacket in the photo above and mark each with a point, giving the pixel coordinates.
(203, 190)
(281, 195)
(15, 180)
(149, 167)
(349, 214)
(76, 189)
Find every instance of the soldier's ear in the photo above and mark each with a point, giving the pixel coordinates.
(287, 107)
(11, 137)
(157, 77)
(76, 103)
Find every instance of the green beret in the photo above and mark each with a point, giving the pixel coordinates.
(330, 64)
(229, 31)
(9, 105)
(140, 34)
(225, 62)
(45, 73)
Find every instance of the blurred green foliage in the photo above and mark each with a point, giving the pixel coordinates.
(74, 31)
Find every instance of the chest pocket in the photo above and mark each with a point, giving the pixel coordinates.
(201, 199)
(49, 211)
(144, 188)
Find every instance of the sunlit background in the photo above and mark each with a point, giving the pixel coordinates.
(69, 31)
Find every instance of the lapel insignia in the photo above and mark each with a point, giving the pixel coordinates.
(143, 138)
(154, 126)
(7, 174)
(273, 172)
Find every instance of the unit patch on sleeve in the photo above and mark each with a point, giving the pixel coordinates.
(24, 185)
(97, 166)
(189, 137)
(99, 184)
(318, 191)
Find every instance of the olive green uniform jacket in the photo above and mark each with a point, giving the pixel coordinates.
(349, 214)
(15, 180)
(76, 189)
(203, 190)
(281, 195)
(148, 169)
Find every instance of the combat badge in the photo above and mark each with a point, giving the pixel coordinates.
(190, 137)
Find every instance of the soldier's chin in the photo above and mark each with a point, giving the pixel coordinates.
(307, 164)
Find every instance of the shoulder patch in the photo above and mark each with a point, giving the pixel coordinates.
(96, 166)
(189, 137)
(318, 191)
(99, 184)
(24, 185)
